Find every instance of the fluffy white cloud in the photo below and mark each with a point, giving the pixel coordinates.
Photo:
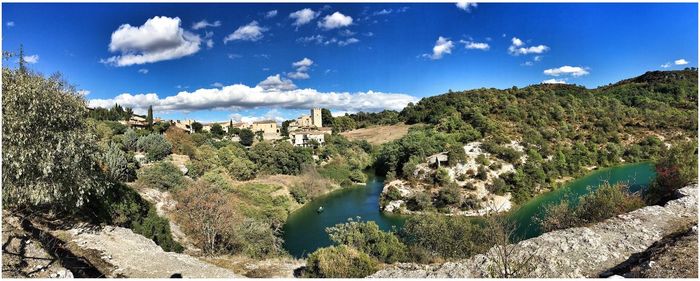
(217, 84)
(240, 96)
(160, 38)
(302, 67)
(442, 46)
(276, 83)
(335, 20)
(271, 14)
(554, 81)
(517, 48)
(466, 6)
(10, 24)
(475, 45)
(680, 62)
(567, 70)
(83, 92)
(303, 16)
(515, 41)
(666, 65)
(204, 24)
(31, 59)
(248, 32)
(143, 71)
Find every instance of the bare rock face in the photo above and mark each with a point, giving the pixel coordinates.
(135, 256)
(575, 252)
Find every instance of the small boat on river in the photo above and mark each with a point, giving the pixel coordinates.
(320, 210)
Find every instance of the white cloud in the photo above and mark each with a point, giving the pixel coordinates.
(567, 70)
(143, 71)
(302, 67)
(217, 84)
(348, 41)
(666, 65)
(239, 96)
(680, 62)
(318, 39)
(442, 46)
(466, 6)
(83, 92)
(515, 41)
(10, 24)
(299, 75)
(271, 14)
(248, 32)
(276, 83)
(537, 58)
(475, 45)
(554, 81)
(31, 59)
(335, 20)
(303, 16)
(204, 24)
(160, 38)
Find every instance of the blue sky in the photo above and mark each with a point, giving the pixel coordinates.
(247, 62)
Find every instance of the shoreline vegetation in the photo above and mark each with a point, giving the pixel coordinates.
(65, 162)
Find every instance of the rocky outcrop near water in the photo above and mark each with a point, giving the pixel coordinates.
(575, 252)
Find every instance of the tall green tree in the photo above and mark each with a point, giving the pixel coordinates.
(149, 117)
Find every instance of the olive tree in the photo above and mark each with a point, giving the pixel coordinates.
(49, 155)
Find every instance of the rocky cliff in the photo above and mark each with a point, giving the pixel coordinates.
(576, 252)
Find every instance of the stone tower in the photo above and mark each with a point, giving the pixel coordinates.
(316, 118)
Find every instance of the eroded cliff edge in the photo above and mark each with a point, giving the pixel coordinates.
(575, 252)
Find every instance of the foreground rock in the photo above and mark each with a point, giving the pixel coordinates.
(23, 255)
(132, 255)
(576, 252)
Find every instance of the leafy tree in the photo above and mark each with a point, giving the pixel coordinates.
(247, 137)
(677, 168)
(326, 117)
(456, 155)
(442, 177)
(448, 196)
(217, 130)
(450, 237)
(49, 156)
(197, 127)
(343, 123)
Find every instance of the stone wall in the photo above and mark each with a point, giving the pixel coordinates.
(575, 252)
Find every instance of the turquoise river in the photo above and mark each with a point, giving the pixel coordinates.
(304, 231)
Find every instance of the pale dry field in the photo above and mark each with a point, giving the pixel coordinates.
(378, 134)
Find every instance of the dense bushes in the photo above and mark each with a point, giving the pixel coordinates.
(368, 238)
(677, 167)
(155, 146)
(121, 165)
(603, 203)
(339, 262)
(161, 175)
(445, 236)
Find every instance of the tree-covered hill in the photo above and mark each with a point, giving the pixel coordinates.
(563, 128)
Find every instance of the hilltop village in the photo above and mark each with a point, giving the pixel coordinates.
(306, 130)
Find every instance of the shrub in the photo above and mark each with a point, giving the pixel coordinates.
(442, 177)
(49, 155)
(677, 168)
(130, 139)
(368, 238)
(161, 175)
(246, 137)
(357, 176)
(420, 201)
(242, 169)
(456, 155)
(448, 196)
(155, 146)
(339, 262)
(393, 193)
(181, 141)
(118, 165)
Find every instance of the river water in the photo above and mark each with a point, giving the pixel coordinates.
(304, 231)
